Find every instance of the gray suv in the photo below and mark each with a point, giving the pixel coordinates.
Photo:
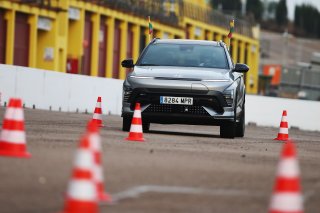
(186, 82)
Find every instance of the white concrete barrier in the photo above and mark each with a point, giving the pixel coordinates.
(69, 92)
(267, 111)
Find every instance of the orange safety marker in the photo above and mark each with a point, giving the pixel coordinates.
(96, 149)
(82, 193)
(98, 113)
(283, 134)
(136, 133)
(287, 196)
(13, 136)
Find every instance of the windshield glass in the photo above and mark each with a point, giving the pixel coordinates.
(185, 55)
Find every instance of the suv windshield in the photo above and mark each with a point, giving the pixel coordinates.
(185, 55)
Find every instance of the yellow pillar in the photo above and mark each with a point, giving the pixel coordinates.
(62, 26)
(249, 63)
(209, 35)
(146, 33)
(47, 47)
(158, 34)
(123, 47)
(110, 23)
(10, 18)
(242, 52)
(95, 44)
(33, 22)
(136, 42)
(218, 37)
(254, 72)
(75, 38)
(234, 44)
(191, 32)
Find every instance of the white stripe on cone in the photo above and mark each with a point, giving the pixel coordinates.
(283, 130)
(136, 128)
(15, 114)
(97, 116)
(97, 173)
(98, 105)
(82, 190)
(284, 119)
(13, 136)
(288, 168)
(18, 115)
(137, 113)
(95, 142)
(84, 159)
(286, 202)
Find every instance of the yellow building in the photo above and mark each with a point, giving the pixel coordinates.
(93, 37)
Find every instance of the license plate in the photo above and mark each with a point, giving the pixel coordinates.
(176, 100)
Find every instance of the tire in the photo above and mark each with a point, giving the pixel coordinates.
(227, 130)
(241, 126)
(126, 123)
(145, 127)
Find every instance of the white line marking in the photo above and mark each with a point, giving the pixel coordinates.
(137, 191)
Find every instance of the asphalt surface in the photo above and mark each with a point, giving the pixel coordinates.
(178, 169)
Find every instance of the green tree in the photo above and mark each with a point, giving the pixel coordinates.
(282, 13)
(307, 18)
(227, 5)
(255, 7)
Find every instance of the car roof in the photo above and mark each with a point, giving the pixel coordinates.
(187, 41)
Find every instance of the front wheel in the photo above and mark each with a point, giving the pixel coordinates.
(145, 126)
(227, 130)
(126, 123)
(240, 127)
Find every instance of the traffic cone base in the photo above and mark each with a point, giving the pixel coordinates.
(282, 137)
(135, 136)
(75, 206)
(105, 197)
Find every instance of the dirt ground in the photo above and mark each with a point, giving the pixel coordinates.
(178, 169)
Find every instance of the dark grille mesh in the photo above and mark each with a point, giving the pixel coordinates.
(183, 109)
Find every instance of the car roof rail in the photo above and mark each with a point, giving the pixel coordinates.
(154, 40)
(221, 43)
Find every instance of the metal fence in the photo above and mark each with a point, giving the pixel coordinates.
(157, 9)
(305, 83)
(215, 17)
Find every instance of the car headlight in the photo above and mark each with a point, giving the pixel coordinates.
(141, 77)
(229, 96)
(127, 91)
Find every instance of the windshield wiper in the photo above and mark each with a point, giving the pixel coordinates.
(148, 65)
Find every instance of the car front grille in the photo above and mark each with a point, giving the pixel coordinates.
(181, 109)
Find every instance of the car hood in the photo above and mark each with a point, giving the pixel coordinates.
(182, 73)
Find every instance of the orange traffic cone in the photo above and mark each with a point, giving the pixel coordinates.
(136, 133)
(13, 137)
(98, 113)
(287, 196)
(283, 134)
(82, 193)
(95, 147)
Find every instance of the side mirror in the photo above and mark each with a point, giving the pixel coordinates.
(241, 68)
(127, 63)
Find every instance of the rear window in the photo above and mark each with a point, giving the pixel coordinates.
(185, 55)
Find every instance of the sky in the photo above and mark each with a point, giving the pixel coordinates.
(292, 3)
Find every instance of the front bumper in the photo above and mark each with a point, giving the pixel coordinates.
(208, 109)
